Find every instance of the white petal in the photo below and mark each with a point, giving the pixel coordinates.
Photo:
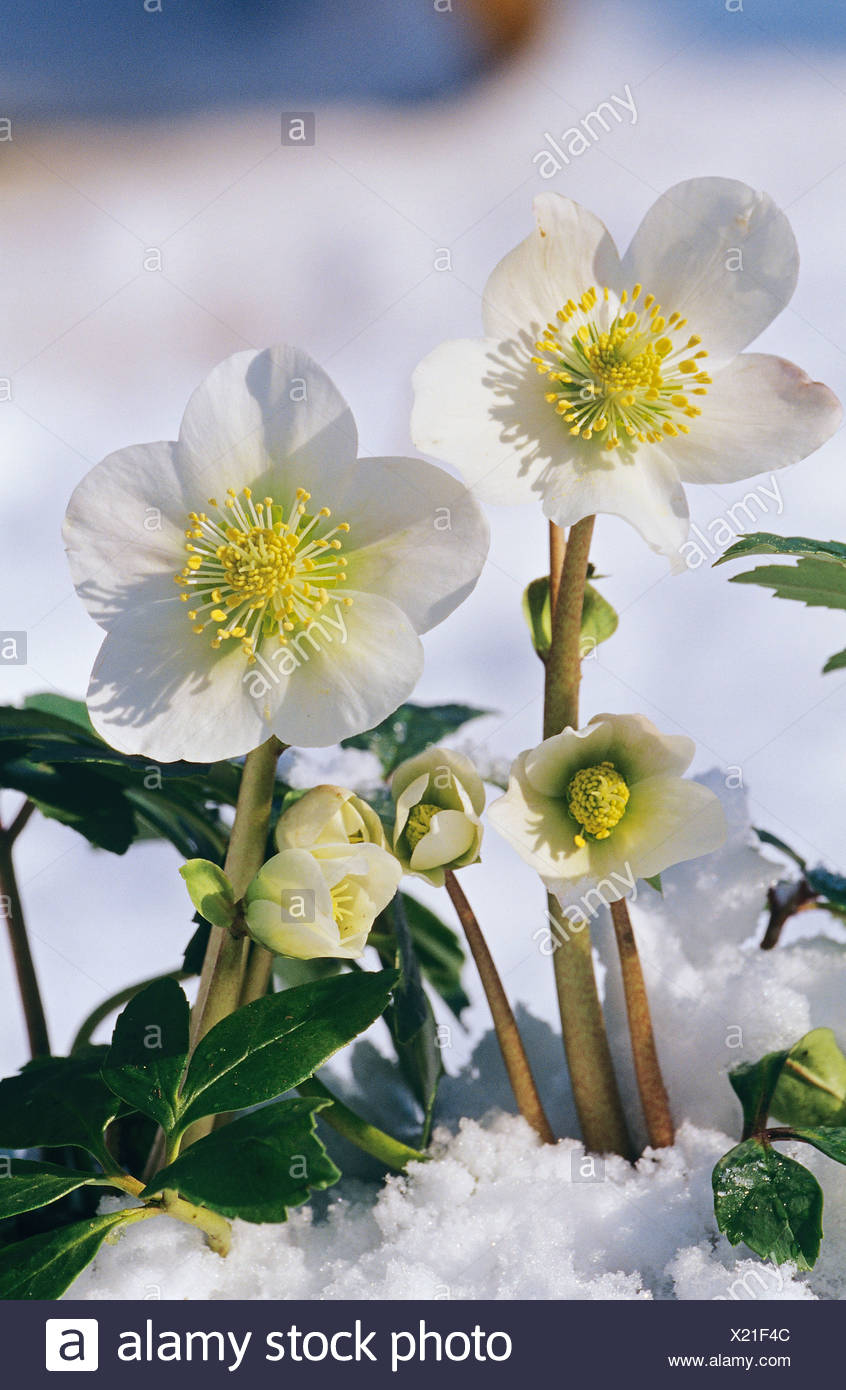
(379, 873)
(569, 250)
(462, 781)
(407, 795)
(314, 817)
(354, 667)
(451, 834)
(639, 750)
(643, 489)
(549, 767)
(538, 827)
(417, 536)
(479, 405)
(721, 254)
(159, 689)
(667, 821)
(268, 420)
(630, 741)
(760, 413)
(125, 529)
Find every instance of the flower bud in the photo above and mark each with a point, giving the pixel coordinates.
(323, 903)
(439, 799)
(329, 815)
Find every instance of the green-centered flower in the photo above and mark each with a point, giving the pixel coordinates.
(606, 805)
(439, 800)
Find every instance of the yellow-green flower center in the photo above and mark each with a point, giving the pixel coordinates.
(619, 371)
(419, 822)
(253, 573)
(597, 798)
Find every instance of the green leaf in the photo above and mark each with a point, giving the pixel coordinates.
(767, 838)
(49, 751)
(536, 611)
(599, 620)
(389, 1151)
(291, 972)
(830, 1141)
(754, 1084)
(269, 1046)
(835, 663)
(195, 951)
(769, 1202)
(45, 1265)
(811, 1089)
(79, 797)
(73, 711)
(411, 729)
(439, 952)
(25, 1185)
(57, 1101)
(210, 891)
(412, 1023)
(654, 881)
(257, 1167)
(768, 543)
(145, 1062)
(828, 885)
(816, 583)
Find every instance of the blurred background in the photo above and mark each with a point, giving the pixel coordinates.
(153, 221)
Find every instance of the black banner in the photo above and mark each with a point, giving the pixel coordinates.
(413, 1344)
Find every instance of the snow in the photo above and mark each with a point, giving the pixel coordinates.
(495, 1214)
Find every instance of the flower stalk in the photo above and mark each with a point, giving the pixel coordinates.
(650, 1082)
(11, 908)
(510, 1043)
(223, 968)
(216, 1229)
(222, 978)
(594, 1084)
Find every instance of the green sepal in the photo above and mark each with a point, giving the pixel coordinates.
(210, 891)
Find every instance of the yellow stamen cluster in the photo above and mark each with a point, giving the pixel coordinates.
(343, 900)
(419, 822)
(597, 798)
(253, 573)
(620, 372)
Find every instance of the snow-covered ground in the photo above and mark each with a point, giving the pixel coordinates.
(495, 1214)
(337, 248)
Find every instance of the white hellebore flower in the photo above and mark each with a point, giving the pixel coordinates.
(606, 805)
(329, 815)
(603, 384)
(439, 800)
(321, 902)
(255, 578)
